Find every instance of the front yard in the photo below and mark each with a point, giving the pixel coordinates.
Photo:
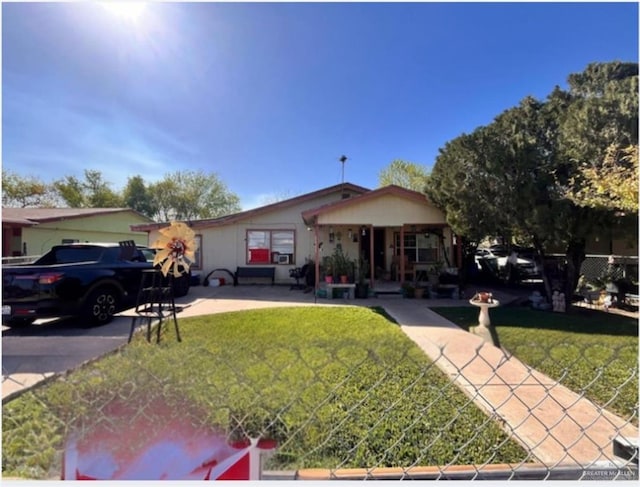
(588, 351)
(336, 387)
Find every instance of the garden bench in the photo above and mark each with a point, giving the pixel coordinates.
(255, 272)
(350, 288)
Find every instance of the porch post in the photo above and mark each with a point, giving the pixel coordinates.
(317, 260)
(371, 258)
(402, 253)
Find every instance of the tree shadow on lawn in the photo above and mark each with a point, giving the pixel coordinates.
(577, 320)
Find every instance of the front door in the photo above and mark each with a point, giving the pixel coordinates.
(378, 248)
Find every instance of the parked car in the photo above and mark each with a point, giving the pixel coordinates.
(496, 258)
(90, 280)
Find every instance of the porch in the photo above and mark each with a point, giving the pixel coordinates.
(391, 234)
(386, 258)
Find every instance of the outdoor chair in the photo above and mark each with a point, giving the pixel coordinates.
(298, 273)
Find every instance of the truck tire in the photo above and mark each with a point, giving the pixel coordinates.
(181, 285)
(100, 306)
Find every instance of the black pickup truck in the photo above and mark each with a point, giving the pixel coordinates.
(90, 280)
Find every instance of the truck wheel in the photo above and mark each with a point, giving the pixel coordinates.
(19, 322)
(181, 285)
(100, 306)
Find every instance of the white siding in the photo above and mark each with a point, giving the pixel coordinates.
(225, 246)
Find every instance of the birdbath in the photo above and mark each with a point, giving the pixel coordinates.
(484, 329)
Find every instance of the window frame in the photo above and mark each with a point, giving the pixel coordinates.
(272, 256)
(413, 251)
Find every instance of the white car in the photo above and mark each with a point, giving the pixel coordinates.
(527, 267)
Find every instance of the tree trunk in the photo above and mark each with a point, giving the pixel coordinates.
(468, 259)
(575, 256)
(545, 279)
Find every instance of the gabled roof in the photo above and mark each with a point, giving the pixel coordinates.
(34, 216)
(310, 215)
(229, 219)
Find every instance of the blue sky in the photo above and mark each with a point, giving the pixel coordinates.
(269, 96)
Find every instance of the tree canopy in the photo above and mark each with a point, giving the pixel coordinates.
(613, 184)
(137, 196)
(183, 195)
(23, 192)
(600, 136)
(532, 173)
(188, 195)
(406, 174)
(92, 192)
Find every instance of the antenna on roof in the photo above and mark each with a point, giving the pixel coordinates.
(343, 159)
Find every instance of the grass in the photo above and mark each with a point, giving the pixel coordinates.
(588, 351)
(336, 387)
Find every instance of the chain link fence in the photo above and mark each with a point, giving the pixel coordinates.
(620, 267)
(374, 404)
(595, 267)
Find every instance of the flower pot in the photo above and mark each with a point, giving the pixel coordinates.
(362, 291)
(328, 279)
(418, 293)
(344, 279)
(484, 297)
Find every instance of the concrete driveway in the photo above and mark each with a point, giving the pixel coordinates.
(34, 353)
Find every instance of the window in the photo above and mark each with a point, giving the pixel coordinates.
(418, 247)
(270, 247)
(68, 256)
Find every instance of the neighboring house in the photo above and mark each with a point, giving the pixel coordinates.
(384, 223)
(33, 231)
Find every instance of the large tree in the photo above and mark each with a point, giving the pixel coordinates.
(92, 192)
(599, 135)
(497, 180)
(512, 177)
(460, 169)
(405, 174)
(600, 121)
(137, 196)
(613, 184)
(190, 195)
(25, 191)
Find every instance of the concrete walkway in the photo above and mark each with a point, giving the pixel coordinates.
(556, 425)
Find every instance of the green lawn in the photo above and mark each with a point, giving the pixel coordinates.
(588, 351)
(337, 387)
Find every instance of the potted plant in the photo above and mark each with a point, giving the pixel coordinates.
(327, 268)
(434, 273)
(408, 289)
(362, 286)
(342, 266)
